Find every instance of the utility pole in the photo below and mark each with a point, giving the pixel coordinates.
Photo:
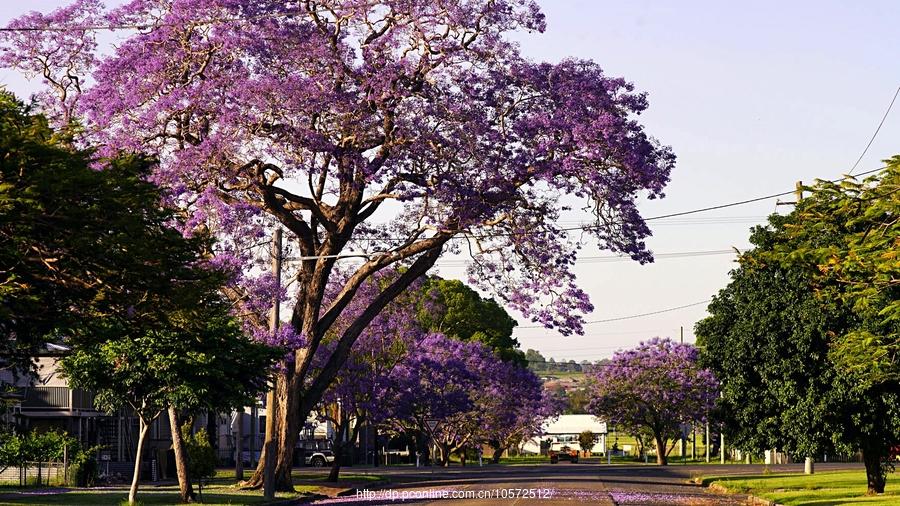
(682, 334)
(721, 446)
(239, 444)
(274, 320)
(808, 465)
(707, 440)
(798, 194)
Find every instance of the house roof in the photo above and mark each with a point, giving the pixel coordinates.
(575, 424)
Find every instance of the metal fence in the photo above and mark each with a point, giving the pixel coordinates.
(34, 473)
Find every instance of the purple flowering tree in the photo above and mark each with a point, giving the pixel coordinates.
(358, 394)
(438, 382)
(515, 407)
(388, 127)
(654, 388)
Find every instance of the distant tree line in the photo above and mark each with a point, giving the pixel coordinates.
(538, 363)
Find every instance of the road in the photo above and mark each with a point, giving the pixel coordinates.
(551, 485)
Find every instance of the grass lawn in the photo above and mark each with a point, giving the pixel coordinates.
(821, 489)
(525, 459)
(220, 490)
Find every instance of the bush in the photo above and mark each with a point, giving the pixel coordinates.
(201, 456)
(84, 470)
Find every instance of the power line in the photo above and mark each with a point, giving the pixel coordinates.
(629, 317)
(587, 227)
(874, 135)
(618, 258)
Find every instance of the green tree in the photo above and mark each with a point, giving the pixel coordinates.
(586, 440)
(196, 357)
(65, 234)
(577, 401)
(452, 308)
(536, 361)
(767, 341)
(90, 257)
(201, 456)
(847, 237)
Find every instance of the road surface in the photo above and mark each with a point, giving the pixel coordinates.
(551, 485)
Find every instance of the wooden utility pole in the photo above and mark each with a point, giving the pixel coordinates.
(274, 321)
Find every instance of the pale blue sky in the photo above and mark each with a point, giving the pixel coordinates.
(752, 97)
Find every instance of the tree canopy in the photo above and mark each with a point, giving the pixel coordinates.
(322, 117)
(656, 387)
(770, 340)
(846, 235)
(452, 308)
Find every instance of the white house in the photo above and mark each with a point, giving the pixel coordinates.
(565, 430)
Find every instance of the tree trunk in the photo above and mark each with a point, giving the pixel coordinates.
(339, 455)
(138, 458)
(375, 446)
(445, 454)
(338, 446)
(285, 430)
(661, 457)
(181, 458)
(875, 470)
(498, 451)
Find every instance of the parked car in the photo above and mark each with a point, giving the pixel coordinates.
(562, 452)
(314, 452)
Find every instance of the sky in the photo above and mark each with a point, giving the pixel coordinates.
(751, 97)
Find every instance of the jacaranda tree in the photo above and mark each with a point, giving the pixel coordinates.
(389, 127)
(436, 384)
(514, 407)
(656, 387)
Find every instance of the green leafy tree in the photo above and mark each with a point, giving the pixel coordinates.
(577, 401)
(847, 236)
(586, 440)
(453, 309)
(196, 357)
(201, 456)
(768, 340)
(536, 361)
(66, 232)
(91, 257)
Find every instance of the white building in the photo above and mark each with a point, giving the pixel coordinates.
(565, 430)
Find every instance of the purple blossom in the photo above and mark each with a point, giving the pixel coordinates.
(468, 136)
(655, 387)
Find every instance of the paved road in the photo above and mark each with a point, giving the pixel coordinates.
(551, 485)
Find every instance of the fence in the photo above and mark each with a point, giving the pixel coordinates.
(46, 473)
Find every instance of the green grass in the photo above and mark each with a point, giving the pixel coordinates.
(821, 489)
(151, 495)
(525, 459)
